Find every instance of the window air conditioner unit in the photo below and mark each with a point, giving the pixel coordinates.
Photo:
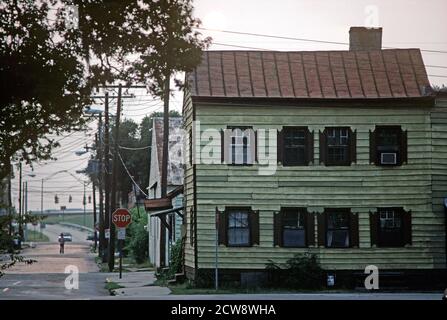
(388, 158)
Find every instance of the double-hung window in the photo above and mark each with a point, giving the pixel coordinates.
(337, 234)
(238, 228)
(239, 146)
(388, 146)
(294, 228)
(338, 146)
(296, 141)
(390, 227)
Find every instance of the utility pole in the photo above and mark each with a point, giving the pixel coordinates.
(22, 234)
(26, 197)
(41, 198)
(10, 199)
(100, 189)
(106, 174)
(20, 201)
(26, 206)
(94, 214)
(164, 165)
(113, 204)
(85, 202)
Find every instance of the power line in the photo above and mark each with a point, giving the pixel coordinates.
(130, 176)
(300, 39)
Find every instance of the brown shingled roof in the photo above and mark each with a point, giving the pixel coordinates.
(390, 73)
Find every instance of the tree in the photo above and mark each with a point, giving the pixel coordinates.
(49, 65)
(43, 85)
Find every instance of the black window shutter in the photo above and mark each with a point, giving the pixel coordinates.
(374, 227)
(223, 227)
(406, 227)
(310, 229)
(222, 146)
(353, 145)
(354, 229)
(277, 229)
(310, 146)
(404, 147)
(323, 146)
(279, 146)
(372, 147)
(256, 146)
(254, 226)
(322, 229)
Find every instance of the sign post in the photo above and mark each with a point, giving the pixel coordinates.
(121, 218)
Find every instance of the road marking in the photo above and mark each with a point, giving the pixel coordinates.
(6, 289)
(16, 283)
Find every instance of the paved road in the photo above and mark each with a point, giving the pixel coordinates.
(46, 278)
(50, 261)
(51, 286)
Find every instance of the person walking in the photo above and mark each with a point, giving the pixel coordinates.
(61, 243)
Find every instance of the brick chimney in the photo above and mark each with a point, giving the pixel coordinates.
(362, 38)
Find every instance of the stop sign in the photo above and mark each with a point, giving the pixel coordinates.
(121, 218)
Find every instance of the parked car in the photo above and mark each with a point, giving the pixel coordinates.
(67, 237)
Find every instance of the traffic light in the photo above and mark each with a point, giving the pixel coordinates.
(56, 199)
(70, 199)
(89, 199)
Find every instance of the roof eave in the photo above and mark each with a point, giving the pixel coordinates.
(422, 101)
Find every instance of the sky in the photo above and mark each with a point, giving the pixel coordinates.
(405, 23)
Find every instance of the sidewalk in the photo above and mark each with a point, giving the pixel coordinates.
(137, 285)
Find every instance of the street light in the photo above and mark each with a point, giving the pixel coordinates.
(51, 176)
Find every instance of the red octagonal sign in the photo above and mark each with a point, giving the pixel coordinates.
(121, 218)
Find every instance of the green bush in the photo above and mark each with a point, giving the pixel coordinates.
(303, 271)
(175, 266)
(138, 245)
(137, 237)
(176, 257)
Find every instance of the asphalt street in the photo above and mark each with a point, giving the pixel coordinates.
(46, 278)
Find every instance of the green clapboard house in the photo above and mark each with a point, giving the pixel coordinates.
(339, 153)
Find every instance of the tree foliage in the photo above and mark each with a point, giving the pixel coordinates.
(49, 64)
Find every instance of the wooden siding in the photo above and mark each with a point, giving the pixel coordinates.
(416, 186)
(188, 180)
(439, 161)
